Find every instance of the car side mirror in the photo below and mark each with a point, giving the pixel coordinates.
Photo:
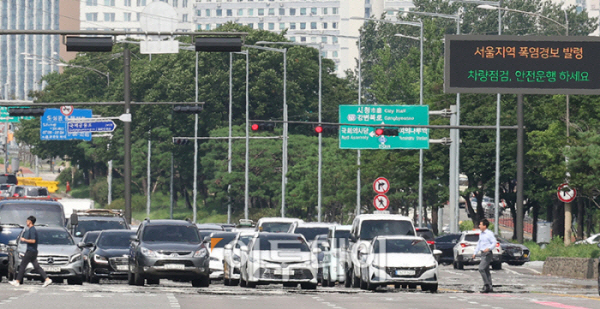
(206, 239)
(12, 242)
(74, 220)
(244, 248)
(133, 238)
(325, 245)
(228, 247)
(316, 250)
(437, 254)
(352, 238)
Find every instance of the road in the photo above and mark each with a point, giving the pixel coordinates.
(514, 287)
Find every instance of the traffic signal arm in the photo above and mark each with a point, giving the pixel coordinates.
(20, 112)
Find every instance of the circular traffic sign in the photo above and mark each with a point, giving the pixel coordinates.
(381, 202)
(67, 110)
(381, 185)
(565, 193)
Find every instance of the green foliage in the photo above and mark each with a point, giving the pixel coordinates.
(556, 247)
(467, 225)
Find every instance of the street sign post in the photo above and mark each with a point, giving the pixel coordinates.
(381, 185)
(4, 115)
(53, 126)
(381, 202)
(99, 126)
(364, 137)
(565, 193)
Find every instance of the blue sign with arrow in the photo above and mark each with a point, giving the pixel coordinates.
(53, 125)
(97, 126)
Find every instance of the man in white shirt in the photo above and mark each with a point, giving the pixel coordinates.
(485, 245)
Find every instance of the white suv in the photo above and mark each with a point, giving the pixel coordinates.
(335, 257)
(364, 229)
(465, 247)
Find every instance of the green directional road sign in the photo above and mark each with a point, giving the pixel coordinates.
(4, 114)
(364, 137)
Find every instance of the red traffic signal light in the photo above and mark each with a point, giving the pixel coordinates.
(319, 129)
(263, 126)
(386, 132)
(254, 127)
(378, 131)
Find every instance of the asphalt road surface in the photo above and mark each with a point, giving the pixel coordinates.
(514, 287)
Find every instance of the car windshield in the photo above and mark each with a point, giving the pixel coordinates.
(114, 240)
(171, 233)
(37, 192)
(221, 239)
(275, 227)
(472, 237)
(342, 238)
(243, 241)
(46, 214)
(90, 237)
(372, 228)
(84, 226)
(414, 246)
(292, 243)
(54, 237)
(311, 232)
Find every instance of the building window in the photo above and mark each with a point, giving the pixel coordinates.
(281, 11)
(240, 12)
(261, 26)
(293, 39)
(109, 2)
(198, 12)
(313, 25)
(313, 39)
(184, 18)
(303, 39)
(302, 26)
(207, 13)
(141, 2)
(175, 3)
(126, 16)
(207, 27)
(229, 12)
(281, 26)
(91, 2)
(324, 39)
(334, 54)
(91, 16)
(334, 25)
(292, 26)
(324, 25)
(334, 11)
(271, 12)
(313, 11)
(292, 12)
(324, 11)
(251, 25)
(334, 40)
(127, 3)
(324, 54)
(137, 16)
(250, 12)
(303, 11)
(199, 27)
(271, 26)
(109, 16)
(367, 12)
(219, 12)
(184, 3)
(261, 12)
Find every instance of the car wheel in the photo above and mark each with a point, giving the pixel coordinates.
(290, 285)
(363, 284)
(234, 282)
(371, 286)
(460, 265)
(203, 282)
(130, 278)
(355, 280)
(308, 286)
(251, 285)
(242, 282)
(226, 282)
(331, 282)
(139, 279)
(58, 280)
(153, 281)
(454, 265)
(429, 287)
(397, 286)
(93, 279)
(348, 280)
(324, 282)
(497, 265)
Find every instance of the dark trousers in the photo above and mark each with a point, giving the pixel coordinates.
(30, 257)
(484, 268)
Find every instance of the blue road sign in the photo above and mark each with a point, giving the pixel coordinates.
(53, 125)
(100, 126)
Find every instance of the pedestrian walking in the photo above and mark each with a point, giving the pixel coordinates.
(30, 238)
(485, 245)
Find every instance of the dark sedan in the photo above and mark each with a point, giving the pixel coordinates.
(108, 257)
(513, 254)
(446, 243)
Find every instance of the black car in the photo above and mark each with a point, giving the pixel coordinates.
(9, 178)
(96, 220)
(446, 243)
(108, 257)
(427, 234)
(513, 254)
(168, 249)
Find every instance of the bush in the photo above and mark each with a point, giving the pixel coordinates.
(556, 247)
(467, 225)
(66, 175)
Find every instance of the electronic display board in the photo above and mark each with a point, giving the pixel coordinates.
(522, 64)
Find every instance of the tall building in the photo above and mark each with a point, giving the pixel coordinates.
(24, 59)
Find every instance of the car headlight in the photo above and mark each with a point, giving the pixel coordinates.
(75, 258)
(429, 267)
(148, 252)
(100, 259)
(201, 253)
(236, 258)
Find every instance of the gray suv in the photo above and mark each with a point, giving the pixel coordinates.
(168, 249)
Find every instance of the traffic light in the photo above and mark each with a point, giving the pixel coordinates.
(187, 109)
(20, 112)
(263, 126)
(386, 132)
(215, 44)
(326, 129)
(181, 141)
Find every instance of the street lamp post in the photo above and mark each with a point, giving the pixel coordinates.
(519, 225)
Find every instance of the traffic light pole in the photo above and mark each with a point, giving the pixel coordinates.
(127, 133)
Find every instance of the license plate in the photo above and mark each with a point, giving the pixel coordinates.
(405, 272)
(284, 272)
(122, 267)
(175, 266)
(516, 254)
(51, 269)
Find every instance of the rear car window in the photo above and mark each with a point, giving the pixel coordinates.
(8, 178)
(472, 237)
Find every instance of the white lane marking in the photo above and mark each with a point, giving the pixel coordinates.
(173, 302)
(512, 271)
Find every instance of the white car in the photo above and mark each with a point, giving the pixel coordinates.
(231, 257)
(275, 224)
(218, 240)
(399, 260)
(310, 230)
(335, 257)
(593, 239)
(278, 258)
(465, 247)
